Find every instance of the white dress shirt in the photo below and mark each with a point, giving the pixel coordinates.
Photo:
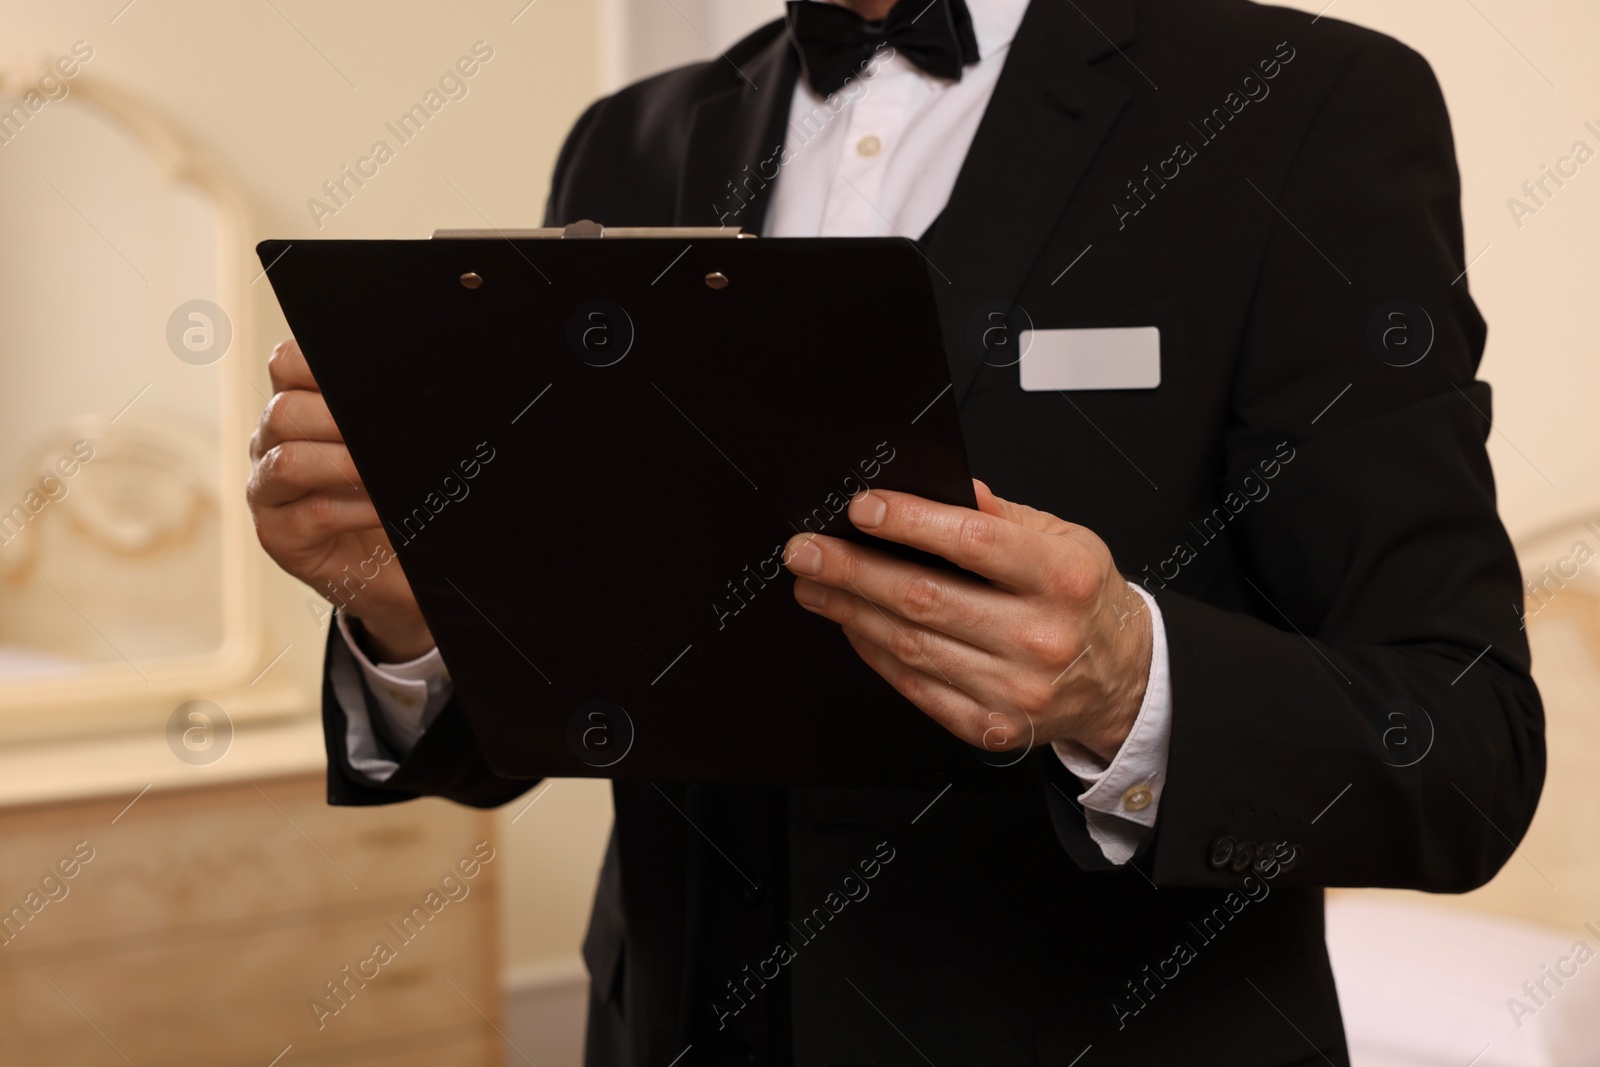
(879, 158)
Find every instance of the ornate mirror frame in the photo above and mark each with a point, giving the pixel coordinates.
(101, 698)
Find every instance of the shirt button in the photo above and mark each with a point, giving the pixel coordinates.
(1137, 798)
(869, 145)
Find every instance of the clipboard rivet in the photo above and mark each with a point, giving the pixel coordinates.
(717, 280)
(472, 279)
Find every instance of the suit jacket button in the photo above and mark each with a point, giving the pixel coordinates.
(1221, 853)
(1244, 856)
(1266, 857)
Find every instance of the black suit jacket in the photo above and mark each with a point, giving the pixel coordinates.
(1351, 687)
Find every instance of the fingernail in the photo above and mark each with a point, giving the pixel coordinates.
(811, 594)
(867, 510)
(803, 556)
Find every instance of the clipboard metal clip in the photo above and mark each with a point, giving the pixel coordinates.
(585, 229)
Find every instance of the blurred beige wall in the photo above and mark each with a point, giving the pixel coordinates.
(284, 93)
(641, 37)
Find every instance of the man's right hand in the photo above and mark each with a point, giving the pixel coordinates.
(315, 519)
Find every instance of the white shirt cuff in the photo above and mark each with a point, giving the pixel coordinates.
(1121, 799)
(409, 696)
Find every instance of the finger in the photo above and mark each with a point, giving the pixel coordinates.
(949, 603)
(295, 415)
(926, 649)
(942, 702)
(288, 369)
(1021, 514)
(985, 544)
(315, 520)
(294, 469)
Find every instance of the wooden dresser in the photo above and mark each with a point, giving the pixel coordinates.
(201, 925)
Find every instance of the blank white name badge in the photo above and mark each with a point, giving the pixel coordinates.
(1123, 357)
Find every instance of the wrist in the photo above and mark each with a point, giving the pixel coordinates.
(385, 642)
(1134, 641)
(1104, 744)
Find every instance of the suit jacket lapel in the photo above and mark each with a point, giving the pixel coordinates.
(1049, 113)
(731, 159)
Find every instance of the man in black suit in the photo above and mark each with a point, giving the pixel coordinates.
(1330, 664)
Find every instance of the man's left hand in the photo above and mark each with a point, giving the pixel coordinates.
(1053, 646)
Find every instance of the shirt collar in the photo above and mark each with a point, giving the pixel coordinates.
(994, 22)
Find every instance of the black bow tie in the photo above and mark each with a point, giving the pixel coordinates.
(836, 44)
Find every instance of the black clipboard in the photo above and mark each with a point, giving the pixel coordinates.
(589, 451)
